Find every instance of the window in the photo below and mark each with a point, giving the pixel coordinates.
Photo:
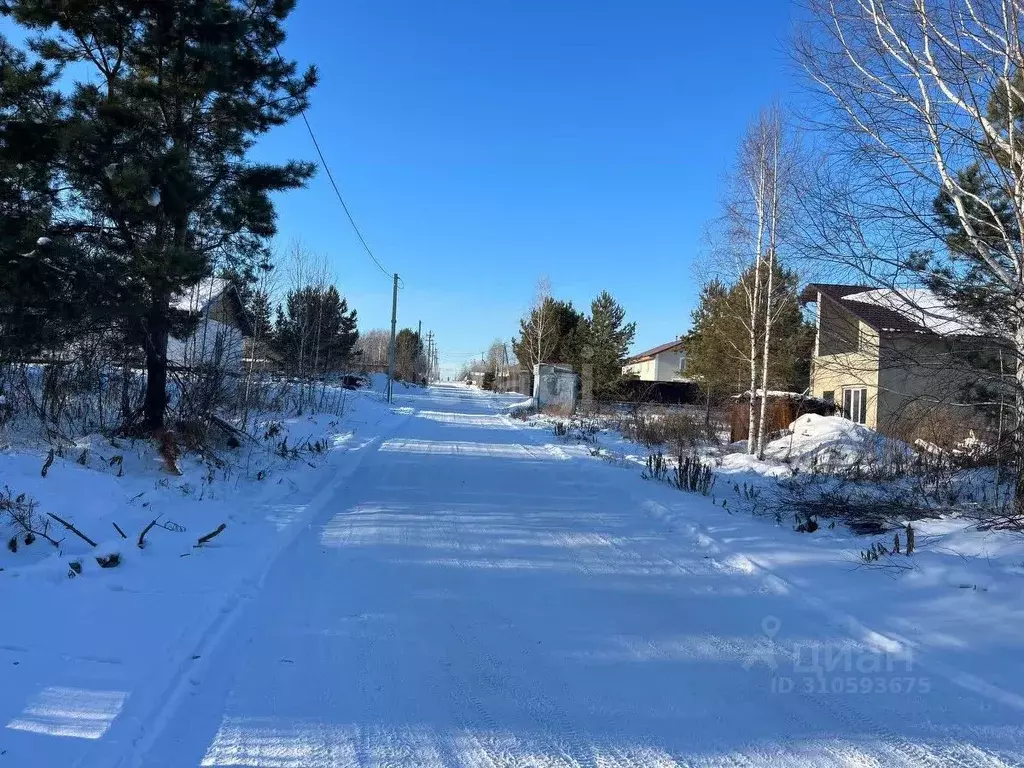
(855, 403)
(682, 362)
(829, 396)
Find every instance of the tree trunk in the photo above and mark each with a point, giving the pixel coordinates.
(156, 365)
(764, 361)
(1018, 432)
(755, 302)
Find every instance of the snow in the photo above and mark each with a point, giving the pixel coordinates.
(521, 406)
(921, 306)
(198, 297)
(211, 342)
(449, 586)
(819, 442)
(43, 242)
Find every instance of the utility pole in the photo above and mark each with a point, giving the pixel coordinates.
(426, 357)
(508, 367)
(391, 350)
(430, 356)
(419, 342)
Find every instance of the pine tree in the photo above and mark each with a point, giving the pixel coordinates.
(36, 284)
(606, 338)
(259, 309)
(550, 333)
(709, 356)
(963, 278)
(718, 346)
(158, 138)
(409, 360)
(315, 331)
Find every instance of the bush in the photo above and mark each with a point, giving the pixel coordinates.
(677, 430)
(690, 473)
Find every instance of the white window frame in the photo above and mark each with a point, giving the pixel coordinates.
(855, 404)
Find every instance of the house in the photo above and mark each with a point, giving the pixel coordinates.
(666, 362)
(222, 325)
(260, 356)
(896, 359)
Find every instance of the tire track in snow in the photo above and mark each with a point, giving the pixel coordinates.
(899, 750)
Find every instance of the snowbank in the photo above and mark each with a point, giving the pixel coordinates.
(70, 622)
(523, 405)
(821, 442)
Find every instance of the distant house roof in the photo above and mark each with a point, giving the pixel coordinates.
(897, 310)
(199, 297)
(671, 346)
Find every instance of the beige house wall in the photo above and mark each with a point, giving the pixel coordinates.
(922, 384)
(915, 386)
(645, 370)
(851, 370)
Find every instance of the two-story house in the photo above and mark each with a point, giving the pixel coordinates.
(666, 362)
(889, 356)
(221, 327)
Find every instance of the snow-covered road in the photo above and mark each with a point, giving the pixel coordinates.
(473, 596)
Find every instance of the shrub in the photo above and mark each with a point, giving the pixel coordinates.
(689, 474)
(678, 430)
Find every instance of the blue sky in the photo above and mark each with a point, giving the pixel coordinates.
(483, 143)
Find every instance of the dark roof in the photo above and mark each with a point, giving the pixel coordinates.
(879, 318)
(242, 314)
(832, 290)
(653, 352)
(198, 298)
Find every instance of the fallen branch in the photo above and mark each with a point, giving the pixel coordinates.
(72, 528)
(147, 529)
(41, 534)
(21, 510)
(231, 430)
(118, 529)
(211, 534)
(48, 463)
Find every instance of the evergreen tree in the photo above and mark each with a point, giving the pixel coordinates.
(605, 340)
(713, 326)
(260, 312)
(718, 345)
(550, 333)
(315, 331)
(963, 277)
(36, 282)
(409, 359)
(158, 139)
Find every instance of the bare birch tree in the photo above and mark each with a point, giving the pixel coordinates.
(373, 346)
(780, 158)
(926, 101)
(540, 334)
(747, 254)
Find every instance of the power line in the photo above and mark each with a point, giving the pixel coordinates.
(341, 199)
(330, 176)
